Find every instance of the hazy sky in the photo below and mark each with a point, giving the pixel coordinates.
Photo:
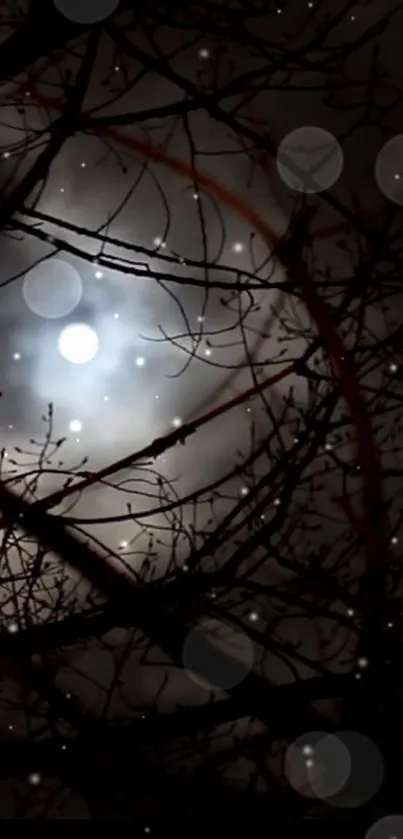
(131, 392)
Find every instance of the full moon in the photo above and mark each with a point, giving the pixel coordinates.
(78, 343)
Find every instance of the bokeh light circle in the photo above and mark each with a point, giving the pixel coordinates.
(217, 656)
(388, 827)
(367, 771)
(52, 289)
(317, 765)
(86, 11)
(309, 159)
(389, 169)
(78, 343)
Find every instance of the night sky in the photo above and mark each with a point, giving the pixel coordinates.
(141, 265)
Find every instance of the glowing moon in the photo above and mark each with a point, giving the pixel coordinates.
(75, 425)
(52, 289)
(78, 343)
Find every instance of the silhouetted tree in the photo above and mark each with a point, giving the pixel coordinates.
(277, 579)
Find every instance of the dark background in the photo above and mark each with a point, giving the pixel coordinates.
(104, 718)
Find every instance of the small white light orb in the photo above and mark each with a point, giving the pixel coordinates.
(204, 53)
(253, 617)
(13, 628)
(34, 778)
(98, 275)
(78, 343)
(123, 544)
(176, 422)
(238, 247)
(140, 361)
(16, 356)
(158, 242)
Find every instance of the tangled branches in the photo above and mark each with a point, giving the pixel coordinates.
(256, 597)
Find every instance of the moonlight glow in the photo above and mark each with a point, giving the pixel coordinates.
(75, 426)
(78, 343)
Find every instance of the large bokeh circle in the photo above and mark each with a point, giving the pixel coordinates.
(346, 770)
(86, 11)
(317, 765)
(367, 771)
(389, 827)
(309, 159)
(217, 656)
(52, 289)
(389, 169)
